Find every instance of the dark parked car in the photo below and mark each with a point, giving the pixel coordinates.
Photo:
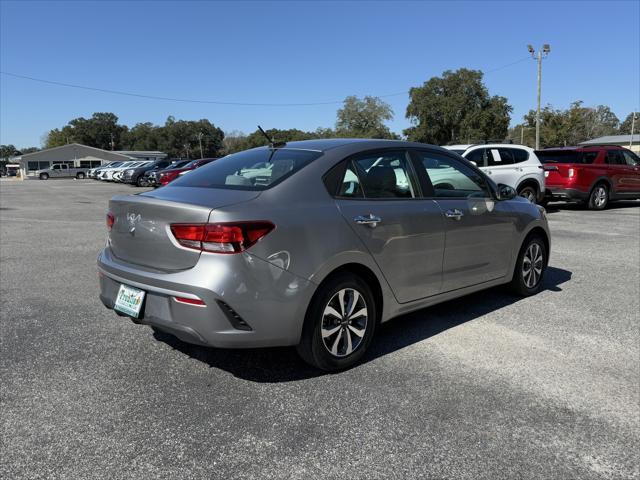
(136, 176)
(592, 175)
(168, 175)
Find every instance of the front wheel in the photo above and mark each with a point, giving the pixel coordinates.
(529, 192)
(339, 324)
(44, 176)
(140, 182)
(80, 175)
(530, 267)
(599, 198)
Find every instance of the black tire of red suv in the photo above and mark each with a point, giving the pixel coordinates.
(599, 197)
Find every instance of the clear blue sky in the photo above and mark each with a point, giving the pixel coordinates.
(300, 52)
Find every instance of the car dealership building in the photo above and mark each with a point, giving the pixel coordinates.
(82, 156)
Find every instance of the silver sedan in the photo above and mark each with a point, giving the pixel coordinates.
(314, 244)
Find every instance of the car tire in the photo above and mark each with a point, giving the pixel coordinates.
(335, 338)
(530, 268)
(80, 176)
(140, 181)
(44, 176)
(599, 197)
(529, 192)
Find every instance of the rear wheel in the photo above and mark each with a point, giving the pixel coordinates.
(140, 181)
(530, 267)
(529, 192)
(44, 176)
(339, 325)
(80, 175)
(599, 198)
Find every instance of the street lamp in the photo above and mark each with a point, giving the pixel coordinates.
(546, 49)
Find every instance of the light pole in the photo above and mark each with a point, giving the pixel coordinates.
(633, 124)
(200, 135)
(539, 56)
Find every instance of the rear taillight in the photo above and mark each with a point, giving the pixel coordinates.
(571, 172)
(110, 220)
(167, 177)
(221, 237)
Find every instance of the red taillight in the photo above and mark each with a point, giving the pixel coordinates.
(221, 237)
(110, 220)
(167, 177)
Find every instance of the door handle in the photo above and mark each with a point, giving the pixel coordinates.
(371, 220)
(455, 214)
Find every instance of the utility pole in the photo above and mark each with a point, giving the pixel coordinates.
(200, 135)
(112, 142)
(633, 124)
(539, 56)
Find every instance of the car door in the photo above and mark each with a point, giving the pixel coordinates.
(632, 171)
(480, 230)
(381, 200)
(620, 176)
(501, 167)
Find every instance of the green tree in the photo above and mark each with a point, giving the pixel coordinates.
(456, 108)
(569, 127)
(625, 126)
(179, 138)
(101, 131)
(364, 118)
(8, 151)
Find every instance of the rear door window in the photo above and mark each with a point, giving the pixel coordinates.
(566, 156)
(614, 157)
(506, 156)
(383, 175)
(519, 155)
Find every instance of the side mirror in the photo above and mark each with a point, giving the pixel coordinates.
(505, 192)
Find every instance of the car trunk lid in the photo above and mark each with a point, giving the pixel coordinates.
(141, 232)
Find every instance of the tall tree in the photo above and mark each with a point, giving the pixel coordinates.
(569, 127)
(364, 118)
(101, 131)
(8, 151)
(456, 108)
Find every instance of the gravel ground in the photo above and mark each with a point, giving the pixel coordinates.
(484, 387)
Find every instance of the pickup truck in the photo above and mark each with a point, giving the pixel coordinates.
(61, 171)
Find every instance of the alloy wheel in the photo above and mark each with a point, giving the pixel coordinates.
(344, 322)
(532, 264)
(600, 196)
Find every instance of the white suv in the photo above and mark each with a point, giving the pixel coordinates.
(513, 165)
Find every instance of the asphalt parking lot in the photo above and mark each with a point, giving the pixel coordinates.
(489, 386)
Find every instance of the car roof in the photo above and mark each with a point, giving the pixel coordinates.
(325, 144)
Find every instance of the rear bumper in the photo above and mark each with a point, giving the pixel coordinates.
(565, 194)
(270, 300)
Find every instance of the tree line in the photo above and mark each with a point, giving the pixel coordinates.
(453, 108)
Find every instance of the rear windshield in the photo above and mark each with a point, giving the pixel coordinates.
(256, 169)
(566, 156)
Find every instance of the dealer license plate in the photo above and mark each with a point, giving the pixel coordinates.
(129, 300)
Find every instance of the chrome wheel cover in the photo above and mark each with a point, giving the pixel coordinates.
(600, 196)
(344, 322)
(532, 265)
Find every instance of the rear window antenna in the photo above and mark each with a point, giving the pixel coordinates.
(272, 143)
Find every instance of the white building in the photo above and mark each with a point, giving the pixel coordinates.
(82, 156)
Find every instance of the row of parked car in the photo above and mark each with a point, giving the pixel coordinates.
(146, 173)
(593, 175)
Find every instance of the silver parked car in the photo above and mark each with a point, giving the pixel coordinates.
(316, 246)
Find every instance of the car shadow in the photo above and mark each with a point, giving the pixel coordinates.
(614, 205)
(282, 364)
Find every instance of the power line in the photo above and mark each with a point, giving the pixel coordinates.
(214, 102)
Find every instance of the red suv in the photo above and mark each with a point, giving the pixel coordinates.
(166, 176)
(592, 175)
